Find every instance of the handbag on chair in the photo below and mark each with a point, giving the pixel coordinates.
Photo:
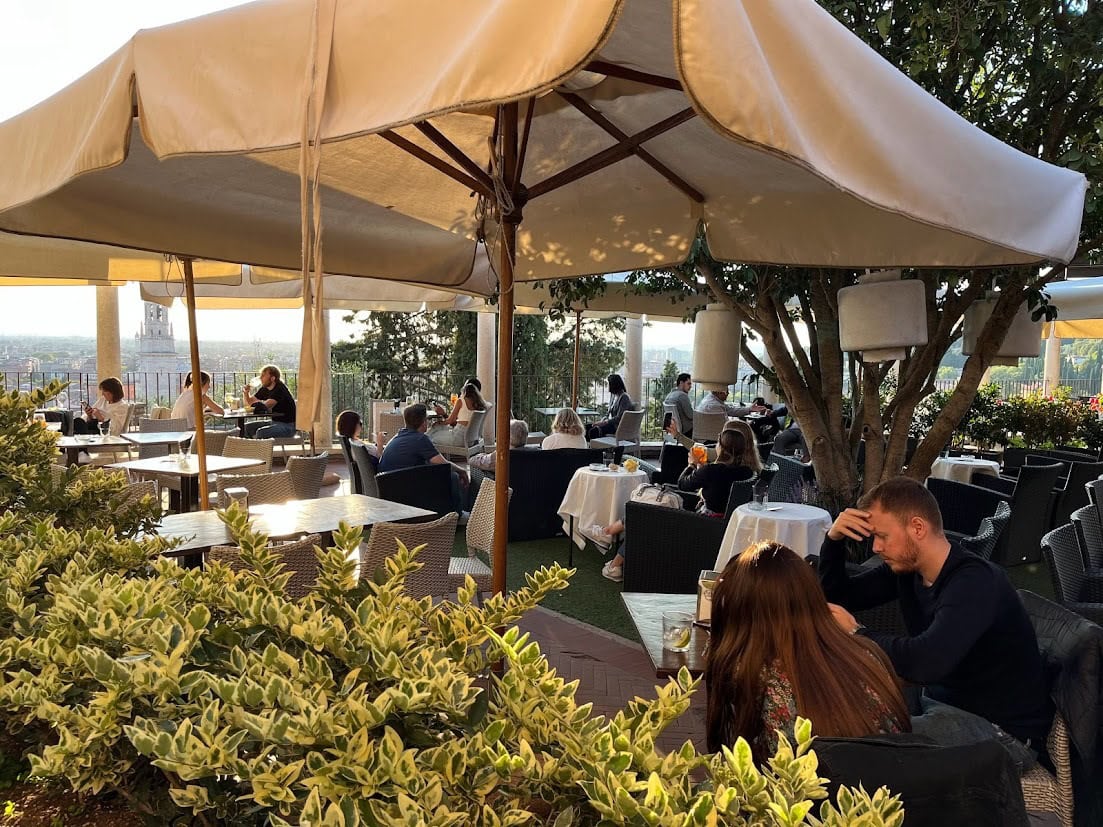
(654, 494)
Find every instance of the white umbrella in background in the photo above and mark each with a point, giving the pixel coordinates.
(577, 137)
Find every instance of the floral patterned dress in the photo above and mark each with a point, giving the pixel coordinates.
(779, 711)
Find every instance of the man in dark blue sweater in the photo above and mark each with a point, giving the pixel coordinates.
(970, 641)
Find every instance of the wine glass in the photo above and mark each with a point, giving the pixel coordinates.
(230, 398)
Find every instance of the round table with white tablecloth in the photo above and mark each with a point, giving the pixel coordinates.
(597, 498)
(961, 469)
(800, 527)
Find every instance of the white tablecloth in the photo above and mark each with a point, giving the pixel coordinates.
(597, 498)
(961, 469)
(801, 527)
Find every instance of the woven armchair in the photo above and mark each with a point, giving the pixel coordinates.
(433, 579)
(134, 493)
(363, 480)
(263, 488)
(1032, 499)
(665, 549)
(261, 449)
(306, 475)
(159, 426)
(215, 441)
(297, 555)
(1073, 587)
(423, 486)
(1089, 532)
(480, 538)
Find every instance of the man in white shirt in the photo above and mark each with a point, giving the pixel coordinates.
(716, 401)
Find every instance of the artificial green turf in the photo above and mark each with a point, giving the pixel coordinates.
(589, 597)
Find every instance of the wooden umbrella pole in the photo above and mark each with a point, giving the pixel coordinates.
(577, 357)
(508, 171)
(200, 439)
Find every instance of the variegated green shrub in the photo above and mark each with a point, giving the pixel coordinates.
(211, 691)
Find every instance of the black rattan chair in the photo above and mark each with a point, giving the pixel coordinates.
(350, 463)
(426, 486)
(365, 481)
(789, 479)
(1072, 586)
(539, 480)
(984, 542)
(742, 492)
(964, 506)
(1031, 500)
(673, 459)
(665, 549)
(1073, 494)
(1089, 533)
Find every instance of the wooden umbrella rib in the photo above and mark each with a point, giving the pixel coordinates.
(614, 70)
(454, 152)
(609, 156)
(594, 115)
(439, 164)
(531, 105)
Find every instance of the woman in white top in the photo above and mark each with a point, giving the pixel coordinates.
(453, 429)
(111, 407)
(567, 432)
(184, 407)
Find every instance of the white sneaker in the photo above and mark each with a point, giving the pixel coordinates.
(611, 572)
(464, 517)
(83, 458)
(596, 534)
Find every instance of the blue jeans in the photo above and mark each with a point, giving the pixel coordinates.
(269, 430)
(949, 726)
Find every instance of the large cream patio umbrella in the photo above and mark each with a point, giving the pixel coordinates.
(576, 137)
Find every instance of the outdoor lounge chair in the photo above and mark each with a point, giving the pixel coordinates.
(665, 549)
(1031, 498)
(426, 486)
(474, 439)
(539, 480)
(627, 434)
(1072, 586)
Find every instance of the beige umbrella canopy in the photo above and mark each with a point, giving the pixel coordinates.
(576, 137)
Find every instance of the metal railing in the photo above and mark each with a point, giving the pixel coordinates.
(355, 390)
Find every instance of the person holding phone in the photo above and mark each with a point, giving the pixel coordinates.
(679, 398)
(111, 407)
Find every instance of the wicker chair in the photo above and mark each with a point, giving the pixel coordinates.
(433, 579)
(665, 549)
(540, 480)
(424, 486)
(984, 542)
(1089, 532)
(306, 475)
(261, 449)
(263, 489)
(297, 555)
(158, 426)
(1073, 494)
(473, 439)
(1031, 498)
(479, 537)
(364, 479)
(135, 491)
(214, 441)
(1044, 791)
(707, 426)
(790, 477)
(1072, 586)
(742, 493)
(627, 435)
(964, 506)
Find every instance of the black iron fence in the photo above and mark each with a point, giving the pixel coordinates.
(356, 390)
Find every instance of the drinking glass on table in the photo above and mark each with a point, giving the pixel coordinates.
(105, 428)
(40, 418)
(677, 630)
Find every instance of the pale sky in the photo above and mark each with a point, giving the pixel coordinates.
(45, 45)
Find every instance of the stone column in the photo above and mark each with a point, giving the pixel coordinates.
(1051, 371)
(633, 359)
(486, 360)
(108, 353)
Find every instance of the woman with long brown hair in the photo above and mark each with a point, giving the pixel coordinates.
(776, 653)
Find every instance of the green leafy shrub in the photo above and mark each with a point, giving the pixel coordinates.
(210, 692)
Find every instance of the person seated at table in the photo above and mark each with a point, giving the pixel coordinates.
(350, 424)
(518, 441)
(619, 402)
(275, 396)
(775, 652)
(716, 401)
(184, 406)
(110, 407)
(767, 420)
(679, 399)
(970, 642)
(790, 441)
(411, 447)
(567, 432)
(714, 479)
(452, 431)
(750, 456)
